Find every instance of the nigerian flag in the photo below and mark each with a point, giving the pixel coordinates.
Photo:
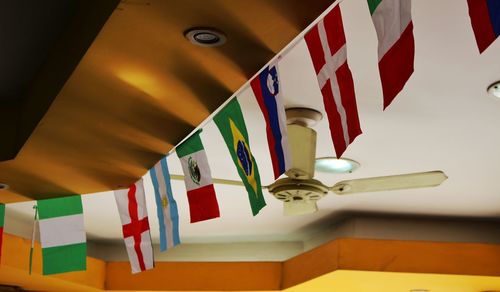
(232, 127)
(62, 235)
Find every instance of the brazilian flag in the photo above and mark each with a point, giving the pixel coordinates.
(232, 127)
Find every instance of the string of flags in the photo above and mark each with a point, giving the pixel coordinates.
(62, 232)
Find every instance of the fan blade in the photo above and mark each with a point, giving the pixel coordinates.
(389, 183)
(214, 180)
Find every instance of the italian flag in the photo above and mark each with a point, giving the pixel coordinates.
(396, 49)
(198, 179)
(2, 217)
(62, 235)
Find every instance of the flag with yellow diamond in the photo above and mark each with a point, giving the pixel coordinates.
(232, 127)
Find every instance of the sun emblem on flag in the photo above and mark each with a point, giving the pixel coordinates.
(194, 170)
(272, 81)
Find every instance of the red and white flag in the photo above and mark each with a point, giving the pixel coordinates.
(327, 47)
(134, 217)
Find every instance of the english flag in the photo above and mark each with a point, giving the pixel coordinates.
(327, 47)
(135, 226)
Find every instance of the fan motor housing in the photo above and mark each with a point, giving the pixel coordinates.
(295, 190)
(302, 141)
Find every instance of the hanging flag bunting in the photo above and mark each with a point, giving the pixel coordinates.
(2, 219)
(62, 235)
(135, 226)
(396, 47)
(327, 47)
(200, 189)
(267, 90)
(232, 127)
(485, 19)
(166, 206)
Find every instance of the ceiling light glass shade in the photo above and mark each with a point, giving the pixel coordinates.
(494, 89)
(334, 165)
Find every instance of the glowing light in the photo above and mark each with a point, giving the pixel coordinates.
(334, 165)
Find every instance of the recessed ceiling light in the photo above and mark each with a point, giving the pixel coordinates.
(494, 89)
(205, 37)
(3, 186)
(334, 165)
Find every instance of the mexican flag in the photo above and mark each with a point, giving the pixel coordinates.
(200, 189)
(232, 127)
(62, 235)
(2, 217)
(396, 48)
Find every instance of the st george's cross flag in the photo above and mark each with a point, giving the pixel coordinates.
(234, 131)
(485, 19)
(166, 206)
(267, 90)
(2, 220)
(396, 48)
(327, 47)
(198, 179)
(62, 235)
(135, 226)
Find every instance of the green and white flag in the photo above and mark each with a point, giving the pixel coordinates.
(62, 235)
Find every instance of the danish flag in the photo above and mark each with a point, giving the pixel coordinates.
(327, 47)
(134, 217)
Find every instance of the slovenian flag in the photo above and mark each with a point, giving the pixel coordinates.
(62, 235)
(166, 206)
(267, 90)
(485, 19)
(198, 179)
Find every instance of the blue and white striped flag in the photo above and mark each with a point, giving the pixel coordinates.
(166, 206)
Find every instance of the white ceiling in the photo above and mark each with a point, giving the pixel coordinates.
(442, 120)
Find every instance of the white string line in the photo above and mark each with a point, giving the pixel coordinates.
(278, 56)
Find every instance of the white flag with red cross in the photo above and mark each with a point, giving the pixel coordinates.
(134, 217)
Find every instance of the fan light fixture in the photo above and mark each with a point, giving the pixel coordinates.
(205, 37)
(494, 89)
(334, 165)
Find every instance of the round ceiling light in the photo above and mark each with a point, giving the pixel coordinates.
(334, 165)
(3, 186)
(205, 37)
(494, 89)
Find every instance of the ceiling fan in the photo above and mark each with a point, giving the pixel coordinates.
(299, 191)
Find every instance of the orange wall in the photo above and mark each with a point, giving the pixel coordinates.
(192, 276)
(15, 261)
(340, 254)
